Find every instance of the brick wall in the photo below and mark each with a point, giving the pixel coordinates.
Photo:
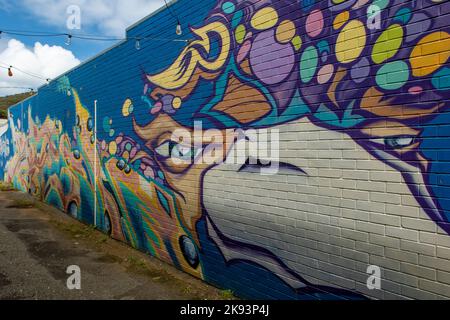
(354, 96)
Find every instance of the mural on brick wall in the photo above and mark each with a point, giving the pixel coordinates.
(371, 73)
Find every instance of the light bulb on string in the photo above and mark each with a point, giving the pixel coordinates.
(179, 30)
(69, 40)
(10, 73)
(138, 44)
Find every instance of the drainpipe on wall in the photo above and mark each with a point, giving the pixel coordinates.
(95, 163)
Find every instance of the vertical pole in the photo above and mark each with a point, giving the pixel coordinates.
(95, 163)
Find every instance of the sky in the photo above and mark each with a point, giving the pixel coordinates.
(49, 57)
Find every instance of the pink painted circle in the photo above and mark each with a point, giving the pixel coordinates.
(325, 74)
(415, 90)
(314, 23)
(244, 51)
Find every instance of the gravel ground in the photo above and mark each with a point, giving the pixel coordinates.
(38, 243)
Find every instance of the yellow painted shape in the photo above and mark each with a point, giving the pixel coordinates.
(264, 18)
(176, 103)
(179, 74)
(351, 42)
(126, 108)
(430, 53)
(112, 147)
(286, 31)
(341, 19)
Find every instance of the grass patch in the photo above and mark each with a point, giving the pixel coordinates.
(22, 204)
(102, 239)
(110, 258)
(227, 295)
(139, 266)
(5, 187)
(77, 231)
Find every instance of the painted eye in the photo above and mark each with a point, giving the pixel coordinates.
(399, 142)
(172, 149)
(164, 150)
(181, 152)
(396, 142)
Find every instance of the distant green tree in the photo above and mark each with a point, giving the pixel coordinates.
(8, 101)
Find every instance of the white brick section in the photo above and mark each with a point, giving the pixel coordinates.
(443, 277)
(435, 287)
(349, 212)
(418, 271)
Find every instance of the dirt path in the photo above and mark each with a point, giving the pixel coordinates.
(38, 243)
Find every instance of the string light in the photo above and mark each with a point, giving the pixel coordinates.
(69, 37)
(88, 37)
(10, 73)
(69, 40)
(138, 44)
(179, 30)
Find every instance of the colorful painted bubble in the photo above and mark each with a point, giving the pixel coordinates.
(127, 108)
(314, 23)
(228, 7)
(387, 44)
(351, 42)
(286, 31)
(308, 64)
(239, 34)
(430, 53)
(341, 19)
(325, 73)
(441, 79)
(264, 18)
(393, 75)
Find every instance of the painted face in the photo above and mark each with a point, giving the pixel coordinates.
(322, 186)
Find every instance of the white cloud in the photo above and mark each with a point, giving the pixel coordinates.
(43, 60)
(111, 17)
